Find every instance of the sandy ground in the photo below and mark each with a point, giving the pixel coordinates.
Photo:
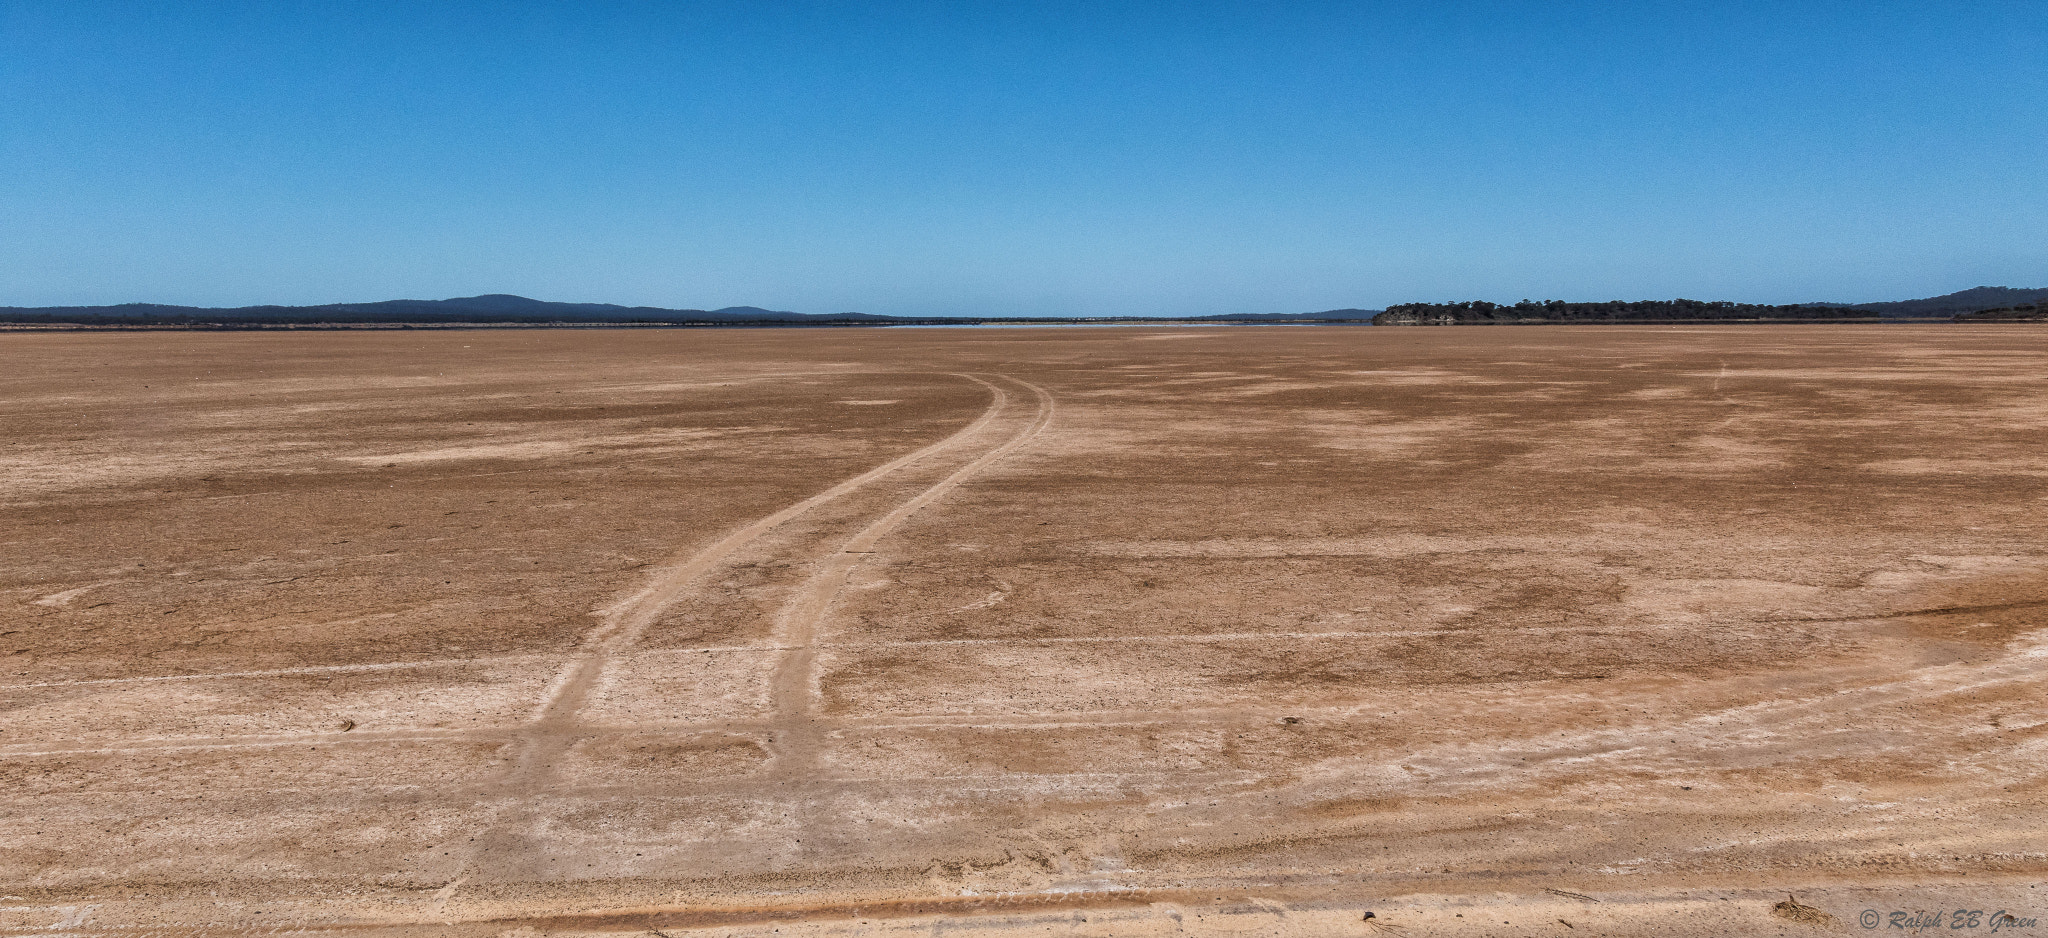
(1134, 631)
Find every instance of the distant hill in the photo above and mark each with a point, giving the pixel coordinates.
(1949, 304)
(489, 308)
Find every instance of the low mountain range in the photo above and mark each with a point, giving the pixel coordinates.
(489, 308)
(498, 308)
(1949, 304)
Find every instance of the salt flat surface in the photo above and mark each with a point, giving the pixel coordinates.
(1593, 630)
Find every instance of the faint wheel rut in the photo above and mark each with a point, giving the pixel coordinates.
(793, 686)
(505, 850)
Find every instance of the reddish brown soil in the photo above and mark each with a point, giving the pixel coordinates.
(1086, 631)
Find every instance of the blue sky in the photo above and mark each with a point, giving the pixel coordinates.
(1031, 158)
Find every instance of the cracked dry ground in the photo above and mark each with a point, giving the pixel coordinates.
(1141, 631)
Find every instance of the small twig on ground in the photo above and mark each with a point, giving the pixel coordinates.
(1374, 921)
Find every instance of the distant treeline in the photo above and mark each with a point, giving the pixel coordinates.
(1480, 312)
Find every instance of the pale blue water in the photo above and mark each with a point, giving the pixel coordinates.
(1111, 325)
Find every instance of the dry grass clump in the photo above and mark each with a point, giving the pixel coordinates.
(1804, 914)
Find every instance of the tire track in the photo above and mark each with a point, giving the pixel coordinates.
(625, 622)
(554, 729)
(285, 672)
(793, 684)
(1191, 637)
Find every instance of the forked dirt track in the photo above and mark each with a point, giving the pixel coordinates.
(793, 684)
(556, 725)
(1485, 631)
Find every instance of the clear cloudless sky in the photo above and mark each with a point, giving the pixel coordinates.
(1092, 157)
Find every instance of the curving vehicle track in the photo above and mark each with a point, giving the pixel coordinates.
(508, 850)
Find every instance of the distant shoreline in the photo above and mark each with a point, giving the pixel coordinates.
(506, 311)
(19, 326)
(32, 327)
